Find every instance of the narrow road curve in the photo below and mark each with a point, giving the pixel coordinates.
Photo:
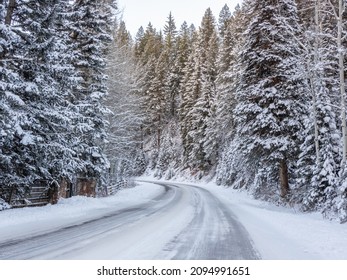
(183, 222)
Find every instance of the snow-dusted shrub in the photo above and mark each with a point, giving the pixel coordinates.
(4, 205)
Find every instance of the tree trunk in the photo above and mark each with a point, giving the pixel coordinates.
(173, 105)
(159, 138)
(9, 13)
(284, 178)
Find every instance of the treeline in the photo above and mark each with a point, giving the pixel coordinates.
(255, 99)
(53, 122)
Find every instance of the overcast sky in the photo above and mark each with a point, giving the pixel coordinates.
(138, 13)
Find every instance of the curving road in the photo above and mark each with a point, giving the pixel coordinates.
(183, 222)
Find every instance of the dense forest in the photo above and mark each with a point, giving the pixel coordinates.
(52, 84)
(254, 99)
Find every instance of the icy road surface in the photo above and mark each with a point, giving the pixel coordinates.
(181, 222)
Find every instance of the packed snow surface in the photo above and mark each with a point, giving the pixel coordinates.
(276, 232)
(16, 223)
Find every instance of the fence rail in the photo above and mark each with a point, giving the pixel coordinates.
(44, 192)
(112, 189)
(40, 194)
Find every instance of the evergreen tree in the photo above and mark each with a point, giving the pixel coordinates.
(40, 131)
(91, 28)
(12, 106)
(270, 97)
(157, 99)
(223, 21)
(139, 43)
(185, 45)
(184, 48)
(188, 96)
(208, 103)
(200, 91)
(146, 77)
(172, 79)
(226, 83)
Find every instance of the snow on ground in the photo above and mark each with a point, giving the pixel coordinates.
(15, 223)
(278, 232)
(282, 233)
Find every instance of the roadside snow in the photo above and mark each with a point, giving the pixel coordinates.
(277, 232)
(281, 233)
(16, 223)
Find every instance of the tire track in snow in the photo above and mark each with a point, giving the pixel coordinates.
(214, 232)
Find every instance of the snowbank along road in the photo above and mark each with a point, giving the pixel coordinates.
(182, 222)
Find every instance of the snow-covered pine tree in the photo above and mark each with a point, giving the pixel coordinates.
(270, 97)
(12, 107)
(54, 77)
(157, 100)
(319, 158)
(184, 49)
(39, 134)
(150, 81)
(167, 83)
(90, 25)
(139, 43)
(162, 92)
(172, 75)
(223, 20)
(207, 102)
(226, 83)
(214, 124)
(189, 92)
(184, 44)
(148, 45)
(199, 88)
(148, 48)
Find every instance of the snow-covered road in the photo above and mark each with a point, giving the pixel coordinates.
(179, 222)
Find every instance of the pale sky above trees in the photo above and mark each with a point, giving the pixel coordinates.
(138, 13)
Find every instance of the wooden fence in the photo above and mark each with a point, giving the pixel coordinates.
(40, 194)
(43, 192)
(113, 188)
